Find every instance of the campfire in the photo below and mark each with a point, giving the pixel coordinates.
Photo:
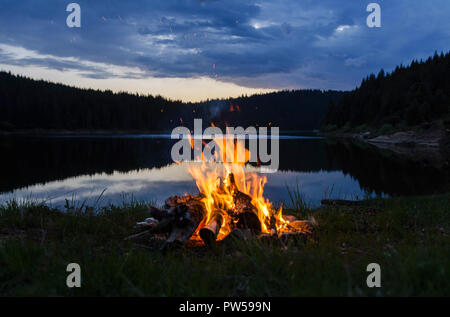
(230, 203)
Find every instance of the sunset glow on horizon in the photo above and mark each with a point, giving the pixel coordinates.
(184, 89)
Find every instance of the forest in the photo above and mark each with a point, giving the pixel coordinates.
(408, 96)
(36, 104)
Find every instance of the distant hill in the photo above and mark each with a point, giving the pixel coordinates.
(35, 104)
(407, 97)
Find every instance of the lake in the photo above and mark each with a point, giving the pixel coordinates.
(110, 169)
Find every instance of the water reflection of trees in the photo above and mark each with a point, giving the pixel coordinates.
(28, 161)
(385, 171)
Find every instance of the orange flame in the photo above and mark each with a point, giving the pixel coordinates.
(213, 181)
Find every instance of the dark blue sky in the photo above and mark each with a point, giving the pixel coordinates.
(193, 49)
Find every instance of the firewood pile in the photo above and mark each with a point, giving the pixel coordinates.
(181, 221)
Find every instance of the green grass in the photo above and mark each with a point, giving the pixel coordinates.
(408, 237)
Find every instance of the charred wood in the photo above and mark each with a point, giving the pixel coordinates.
(210, 231)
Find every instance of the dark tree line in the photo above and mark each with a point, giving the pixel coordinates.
(30, 104)
(407, 97)
(289, 110)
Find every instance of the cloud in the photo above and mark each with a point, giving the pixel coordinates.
(262, 44)
(356, 62)
(19, 56)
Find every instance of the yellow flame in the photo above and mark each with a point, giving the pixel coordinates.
(212, 180)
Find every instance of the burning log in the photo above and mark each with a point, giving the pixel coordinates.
(244, 211)
(248, 220)
(301, 226)
(290, 218)
(243, 203)
(237, 234)
(161, 227)
(210, 231)
(157, 213)
(184, 218)
(174, 201)
(179, 220)
(180, 234)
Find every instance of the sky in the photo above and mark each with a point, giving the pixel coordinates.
(192, 50)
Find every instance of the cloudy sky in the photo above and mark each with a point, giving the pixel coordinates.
(198, 49)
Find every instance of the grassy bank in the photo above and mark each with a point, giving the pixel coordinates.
(408, 237)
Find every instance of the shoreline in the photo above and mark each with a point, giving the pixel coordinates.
(433, 137)
(428, 145)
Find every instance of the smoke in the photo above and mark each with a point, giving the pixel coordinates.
(215, 108)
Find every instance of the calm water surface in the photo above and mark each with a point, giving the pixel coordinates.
(101, 170)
